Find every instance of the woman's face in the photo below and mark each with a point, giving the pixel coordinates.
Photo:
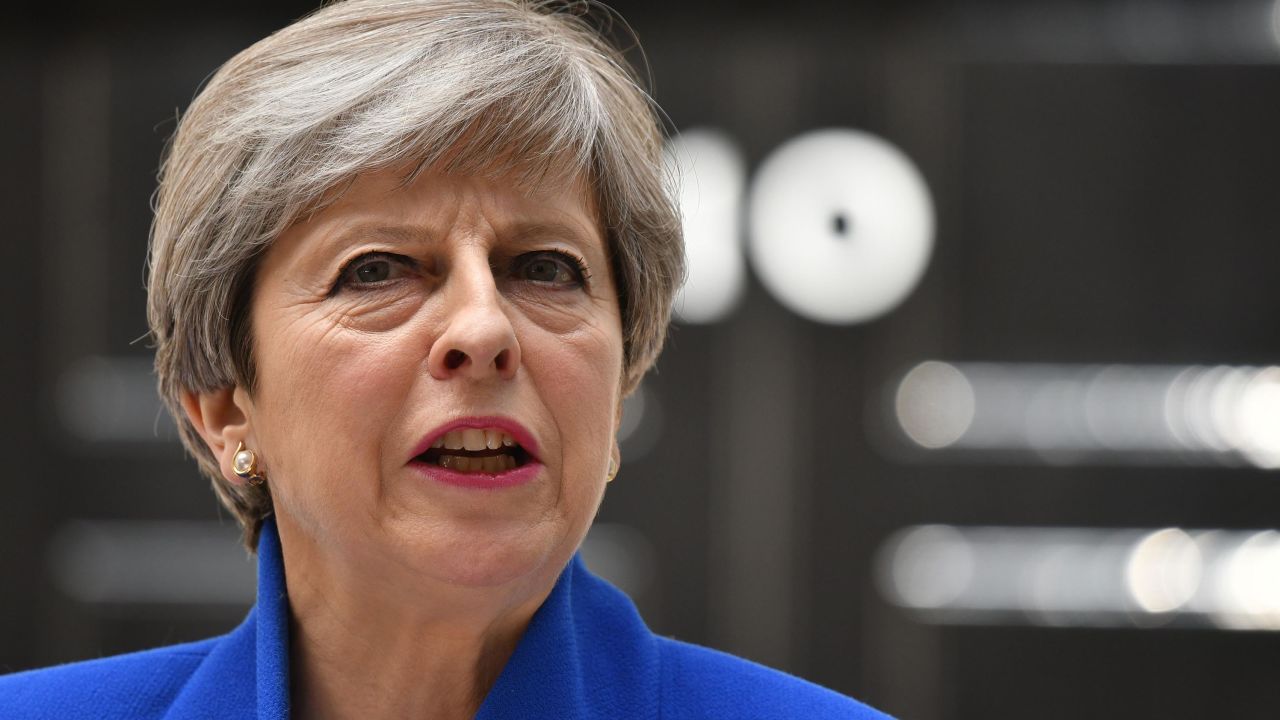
(403, 317)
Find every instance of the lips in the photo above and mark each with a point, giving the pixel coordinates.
(487, 449)
(478, 451)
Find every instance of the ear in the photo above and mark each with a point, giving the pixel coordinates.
(222, 419)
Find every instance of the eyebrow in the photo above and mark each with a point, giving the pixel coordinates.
(532, 230)
(399, 234)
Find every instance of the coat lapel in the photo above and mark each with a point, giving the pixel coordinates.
(273, 628)
(586, 654)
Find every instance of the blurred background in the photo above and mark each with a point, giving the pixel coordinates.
(973, 410)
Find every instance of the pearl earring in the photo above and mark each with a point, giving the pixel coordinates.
(613, 470)
(245, 465)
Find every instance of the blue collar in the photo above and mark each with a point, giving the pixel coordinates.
(585, 654)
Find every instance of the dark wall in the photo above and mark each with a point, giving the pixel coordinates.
(1099, 200)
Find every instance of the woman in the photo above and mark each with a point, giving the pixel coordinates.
(408, 259)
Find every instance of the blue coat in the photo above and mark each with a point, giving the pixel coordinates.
(585, 654)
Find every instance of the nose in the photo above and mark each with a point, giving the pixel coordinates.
(478, 342)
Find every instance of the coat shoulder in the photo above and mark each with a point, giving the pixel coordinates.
(137, 685)
(699, 682)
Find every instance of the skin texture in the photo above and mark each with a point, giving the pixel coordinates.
(408, 595)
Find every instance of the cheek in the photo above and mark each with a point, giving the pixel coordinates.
(579, 377)
(327, 396)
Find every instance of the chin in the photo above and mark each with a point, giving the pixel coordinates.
(481, 555)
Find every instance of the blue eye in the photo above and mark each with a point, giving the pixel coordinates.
(550, 267)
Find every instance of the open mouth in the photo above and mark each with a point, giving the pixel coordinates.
(476, 450)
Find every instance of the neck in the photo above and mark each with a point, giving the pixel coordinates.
(431, 670)
(363, 646)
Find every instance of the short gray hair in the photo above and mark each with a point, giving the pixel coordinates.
(497, 87)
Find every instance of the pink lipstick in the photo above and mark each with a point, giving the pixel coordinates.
(490, 452)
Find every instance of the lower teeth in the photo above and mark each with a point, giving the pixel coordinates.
(488, 463)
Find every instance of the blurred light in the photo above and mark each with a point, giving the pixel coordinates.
(641, 425)
(933, 566)
(1275, 22)
(1250, 598)
(1094, 413)
(1258, 418)
(711, 176)
(112, 399)
(841, 225)
(1228, 389)
(170, 562)
(934, 404)
(622, 555)
(1197, 410)
(1164, 571)
(1084, 576)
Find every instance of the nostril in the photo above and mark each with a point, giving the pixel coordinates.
(502, 359)
(454, 359)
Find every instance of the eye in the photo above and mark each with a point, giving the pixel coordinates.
(374, 269)
(550, 267)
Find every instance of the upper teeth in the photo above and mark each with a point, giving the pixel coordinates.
(474, 439)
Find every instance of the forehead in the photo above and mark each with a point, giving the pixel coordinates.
(437, 200)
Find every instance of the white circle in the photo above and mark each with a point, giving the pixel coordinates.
(935, 404)
(710, 178)
(1252, 583)
(1163, 571)
(841, 225)
(930, 566)
(1258, 418)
